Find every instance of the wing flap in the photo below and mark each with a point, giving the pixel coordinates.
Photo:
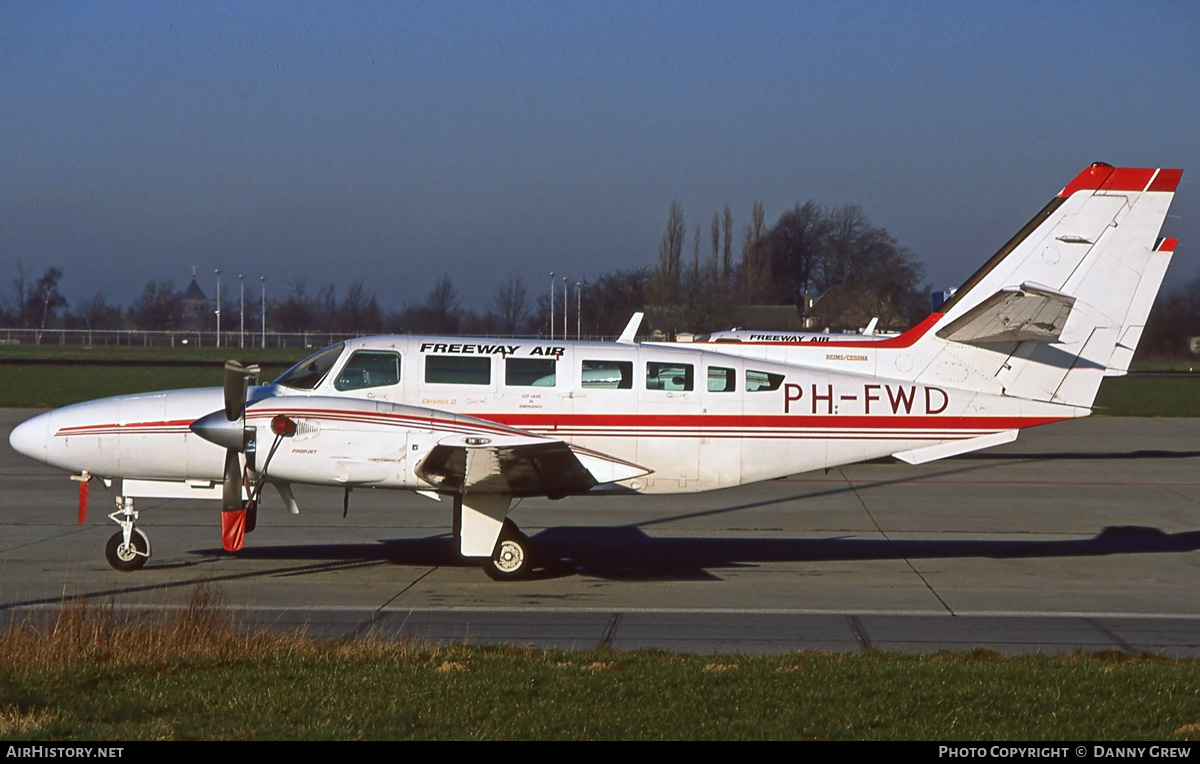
(538, 467)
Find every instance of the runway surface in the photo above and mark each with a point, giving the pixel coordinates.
(1079, 536)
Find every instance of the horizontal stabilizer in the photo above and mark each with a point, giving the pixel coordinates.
(943, 450)
(1013, 315)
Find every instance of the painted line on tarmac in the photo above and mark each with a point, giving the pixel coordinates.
(962, 614)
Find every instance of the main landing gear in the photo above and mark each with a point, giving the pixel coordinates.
(129, 548)
(513, 558)
(482, 531)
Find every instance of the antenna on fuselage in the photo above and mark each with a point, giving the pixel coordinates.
(631, 328)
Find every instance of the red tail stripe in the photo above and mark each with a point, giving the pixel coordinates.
(1101, 178)
(1167, 180)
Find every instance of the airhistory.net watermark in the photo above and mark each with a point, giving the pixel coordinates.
(61, 752)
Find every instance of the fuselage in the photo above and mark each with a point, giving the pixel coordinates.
(369, 410)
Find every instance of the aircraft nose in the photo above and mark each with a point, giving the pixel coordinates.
(30, 437)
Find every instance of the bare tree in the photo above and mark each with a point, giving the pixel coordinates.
(95, 313)
(756, 257)
(295, 312)
(158, 307)
(20, 285)
(42, 299)
(796, 243)
(670, 254)
(509, 307)
(727, 255)
(714, 270)
(439, 314)
(359, 312)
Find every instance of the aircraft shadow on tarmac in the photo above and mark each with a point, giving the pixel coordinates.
(628, 553)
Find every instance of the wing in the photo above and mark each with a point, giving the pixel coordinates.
(348, 441)
(521, 465)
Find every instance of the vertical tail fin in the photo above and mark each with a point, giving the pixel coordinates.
(1064, 302)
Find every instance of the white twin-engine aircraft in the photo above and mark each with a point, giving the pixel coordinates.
(1024, 342)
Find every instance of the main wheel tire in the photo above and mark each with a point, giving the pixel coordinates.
(126, 558)
(513, 559)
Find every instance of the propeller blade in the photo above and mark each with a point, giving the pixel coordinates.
(235, 390)
(231, 495)
(234, 525)
(233, 512)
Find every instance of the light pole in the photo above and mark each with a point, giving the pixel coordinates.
(218, 272)
(578, 311)
(551, 304)
(242, 311)
(263, 279)
(566, 304)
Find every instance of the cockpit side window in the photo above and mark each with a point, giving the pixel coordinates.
(369, 368)
(307, 374)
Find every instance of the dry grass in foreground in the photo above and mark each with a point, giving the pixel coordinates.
(93, 673)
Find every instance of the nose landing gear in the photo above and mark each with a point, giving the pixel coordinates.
(129, 548)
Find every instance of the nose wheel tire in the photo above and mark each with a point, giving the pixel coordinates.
(126, 557)
(513, 557)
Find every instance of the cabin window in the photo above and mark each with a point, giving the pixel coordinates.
(676, 377)
(457, 370)
(529, 372)
(607, 375)
(369, 368)
(307, 374)
(762, 381)
(721, 380)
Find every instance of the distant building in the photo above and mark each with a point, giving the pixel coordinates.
(193, 307)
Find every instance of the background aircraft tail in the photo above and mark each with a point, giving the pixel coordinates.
(1064, 302)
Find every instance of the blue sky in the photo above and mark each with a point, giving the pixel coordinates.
(395, 142)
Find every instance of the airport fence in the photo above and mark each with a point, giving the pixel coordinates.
(172, 338)
(191, 338)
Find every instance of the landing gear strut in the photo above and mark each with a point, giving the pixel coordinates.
(512, 559)
(129, 548)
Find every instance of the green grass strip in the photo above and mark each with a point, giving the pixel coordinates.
(84, 673)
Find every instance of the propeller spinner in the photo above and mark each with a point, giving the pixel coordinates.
(228, 429)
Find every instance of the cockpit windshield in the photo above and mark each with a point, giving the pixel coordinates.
(307, 374)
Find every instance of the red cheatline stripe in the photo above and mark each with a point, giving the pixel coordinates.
(179, 425)
(367, 417)
(779, 420)
(678, 425)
